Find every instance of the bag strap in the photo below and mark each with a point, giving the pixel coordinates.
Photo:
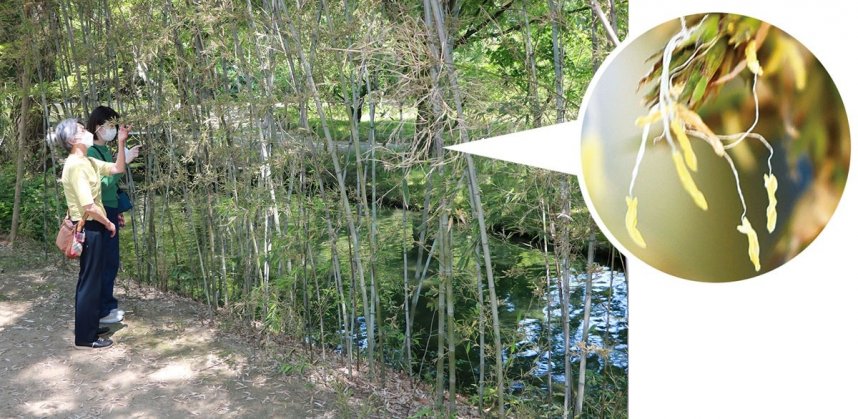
(81, 222)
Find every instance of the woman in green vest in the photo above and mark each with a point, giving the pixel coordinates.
(102, 123)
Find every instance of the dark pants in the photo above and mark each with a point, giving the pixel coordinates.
(110, 254)
(88, 293)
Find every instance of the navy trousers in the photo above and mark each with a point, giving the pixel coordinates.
(110, 254)
(87, 299)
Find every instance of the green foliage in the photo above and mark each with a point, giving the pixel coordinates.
(287, 368)
(424, 412)
(606, 394)
(40, 208)
(724, 38)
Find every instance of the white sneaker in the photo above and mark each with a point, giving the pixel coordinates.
(115, 316)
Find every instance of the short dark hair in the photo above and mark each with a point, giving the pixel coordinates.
(99, 116)
(66, 131)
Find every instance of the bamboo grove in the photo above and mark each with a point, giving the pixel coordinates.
(293, 173)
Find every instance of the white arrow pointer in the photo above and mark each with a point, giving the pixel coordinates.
(554, 147)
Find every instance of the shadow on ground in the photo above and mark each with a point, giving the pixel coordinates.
(168, 360)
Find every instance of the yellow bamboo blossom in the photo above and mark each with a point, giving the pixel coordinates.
(693, 119)
(753, 243)
(652, 117)
(771, 183)
(688, 182)
(632, 221)
(796, 63)
(751, 58)
(684, 144)
(775, 57)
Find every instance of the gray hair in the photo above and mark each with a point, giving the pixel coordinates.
(65, 132)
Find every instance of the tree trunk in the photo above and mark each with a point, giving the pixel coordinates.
(21, 149)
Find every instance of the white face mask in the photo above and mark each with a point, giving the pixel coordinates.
(108, 134)
(86, 139)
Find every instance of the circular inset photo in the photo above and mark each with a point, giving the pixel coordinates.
(715, 147)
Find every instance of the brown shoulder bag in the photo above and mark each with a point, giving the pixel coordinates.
(70, 238)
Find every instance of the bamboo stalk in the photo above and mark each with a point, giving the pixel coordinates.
(530, 64)
(545, 210)
(447, 55)
(585, 323)
(442, 315)
(558, 55)
(344, 202)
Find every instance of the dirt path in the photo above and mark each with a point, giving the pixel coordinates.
(167, 360)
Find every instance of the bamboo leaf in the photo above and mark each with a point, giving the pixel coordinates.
(699, 91)
(690, 85)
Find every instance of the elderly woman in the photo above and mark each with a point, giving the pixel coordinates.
(82, 186)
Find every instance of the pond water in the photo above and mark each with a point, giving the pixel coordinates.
(536, 355)
(533, 350)
(536, 352)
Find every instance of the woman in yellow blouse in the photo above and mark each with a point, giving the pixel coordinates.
(81, 182)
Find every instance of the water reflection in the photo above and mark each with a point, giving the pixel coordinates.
(533, 355)
(530, 358)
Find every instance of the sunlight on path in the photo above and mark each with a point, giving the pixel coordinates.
(170, 359)
(166, 361)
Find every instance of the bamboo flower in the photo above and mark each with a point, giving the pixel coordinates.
(690, 158)
(771, 183)
(632, 221)
(680, 122)
(796, 63)
(751, 58)
(694, 121)
(688, 182)
(753, 243)
(650, 118)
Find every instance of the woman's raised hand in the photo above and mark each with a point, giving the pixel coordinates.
(132, 153)
(123, 134)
